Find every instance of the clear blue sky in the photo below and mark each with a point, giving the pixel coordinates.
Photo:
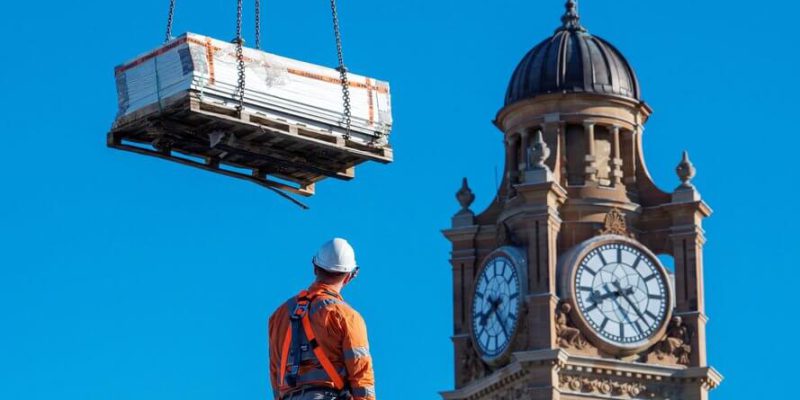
(123, 277)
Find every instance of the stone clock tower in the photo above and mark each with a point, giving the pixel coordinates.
(559, 290)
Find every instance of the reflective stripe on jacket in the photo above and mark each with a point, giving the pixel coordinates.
(340, 332)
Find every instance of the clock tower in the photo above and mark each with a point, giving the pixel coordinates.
(559, 287)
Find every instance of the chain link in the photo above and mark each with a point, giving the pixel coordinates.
(170, 17)
(258, 24)
(239, 57)
(342, 70)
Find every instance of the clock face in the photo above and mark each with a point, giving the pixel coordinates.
(622, 293)
(496, 306)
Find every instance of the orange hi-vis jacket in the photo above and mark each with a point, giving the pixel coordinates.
(340, 333)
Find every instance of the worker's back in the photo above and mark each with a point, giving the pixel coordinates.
(340, 333)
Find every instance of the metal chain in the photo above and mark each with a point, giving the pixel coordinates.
(258, 24)
(239, 57)
(170, 17)
(342, 70)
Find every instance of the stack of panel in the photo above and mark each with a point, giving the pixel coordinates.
(179, 103)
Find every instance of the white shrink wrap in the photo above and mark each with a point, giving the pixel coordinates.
(276, 87)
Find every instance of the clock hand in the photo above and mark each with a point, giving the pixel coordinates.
(625, 296)
(596, 297)
(500, 321)
(622, 310)
(493, 305)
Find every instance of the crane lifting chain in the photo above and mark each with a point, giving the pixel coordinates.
(240, 66)
(239, 41)
(170, 17)
(342, 70)
(258, 24)
(239, 57)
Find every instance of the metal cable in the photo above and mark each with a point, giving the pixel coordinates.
(258, 24)
(342, 70)
(170, 17)
(239, 57)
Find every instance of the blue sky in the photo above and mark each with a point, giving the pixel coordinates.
(131, 278)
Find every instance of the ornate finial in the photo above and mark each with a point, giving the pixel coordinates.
(538, 153)
(686, 171)
(465, 196)
(571, 19)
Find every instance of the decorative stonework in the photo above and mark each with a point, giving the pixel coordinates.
(569, 337)
(509, 393)
(615, 224)
(472, 367)
(675, 348)
(505, 236)
(686, 171)
(536, 171)
(538, 153)
(585, 384)
(465, 196)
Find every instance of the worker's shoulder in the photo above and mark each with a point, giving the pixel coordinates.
(335, 305)
(283, 309)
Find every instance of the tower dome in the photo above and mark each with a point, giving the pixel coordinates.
(572, 61)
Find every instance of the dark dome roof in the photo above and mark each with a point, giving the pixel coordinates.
(572, 61)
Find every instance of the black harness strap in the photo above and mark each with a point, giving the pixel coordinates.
(299, 341)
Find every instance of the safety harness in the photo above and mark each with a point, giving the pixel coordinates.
(295, 345)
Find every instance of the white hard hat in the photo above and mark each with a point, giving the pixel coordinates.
(336, 255)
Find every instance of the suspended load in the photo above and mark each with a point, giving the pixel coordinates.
(248, 114)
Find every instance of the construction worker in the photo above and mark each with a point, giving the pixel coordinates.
(318, 348)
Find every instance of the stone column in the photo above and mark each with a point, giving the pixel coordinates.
(630, 180)
(562, 152)
(512, 153)
(524, 143)
(687, 248)
(616, 157)
(591, 160)
(463, 262)
(541, 219)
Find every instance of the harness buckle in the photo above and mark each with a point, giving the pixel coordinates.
(300, 309)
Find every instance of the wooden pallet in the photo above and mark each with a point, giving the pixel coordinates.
(252, 146)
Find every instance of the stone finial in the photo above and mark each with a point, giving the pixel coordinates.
(571, 19)
(685, 192)
(465, 196)
(686, 171)
(538, 153)
(537, 171)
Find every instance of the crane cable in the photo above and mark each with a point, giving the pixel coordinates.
(342, 70)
